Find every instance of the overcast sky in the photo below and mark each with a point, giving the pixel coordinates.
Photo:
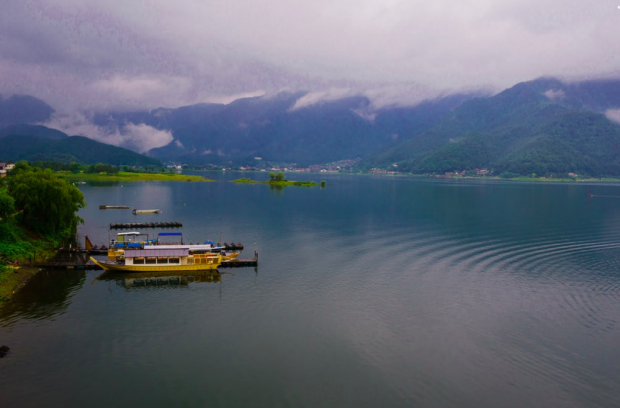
(129, 54)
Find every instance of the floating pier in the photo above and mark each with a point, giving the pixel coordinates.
(137, 225)
(239, 263)
(146, 211)
(65, 259)
(114, 207)
(231, 246)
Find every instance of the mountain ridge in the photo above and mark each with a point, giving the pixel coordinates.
(47, 144)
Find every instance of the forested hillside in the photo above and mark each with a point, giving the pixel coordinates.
(272, 128)
(34, 143)
(541, 127)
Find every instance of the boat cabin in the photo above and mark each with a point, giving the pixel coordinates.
(179, 255)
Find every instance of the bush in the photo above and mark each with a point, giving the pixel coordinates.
(507, 175)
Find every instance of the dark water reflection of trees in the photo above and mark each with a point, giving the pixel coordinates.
(48, 293)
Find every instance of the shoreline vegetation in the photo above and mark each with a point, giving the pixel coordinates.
(38, 211)
(523, 178)
(127, 176)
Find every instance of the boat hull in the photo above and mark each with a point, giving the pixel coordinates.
(154, 268)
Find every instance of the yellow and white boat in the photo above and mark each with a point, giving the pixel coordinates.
(154, 259)
(230, 256)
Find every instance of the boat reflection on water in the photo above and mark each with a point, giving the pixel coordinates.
(170, 279)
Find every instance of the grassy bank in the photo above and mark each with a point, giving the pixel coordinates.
(17, 244)
(125, 176)
(11, 280)
(281, 183)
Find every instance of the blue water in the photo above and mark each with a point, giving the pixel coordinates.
(391, 292)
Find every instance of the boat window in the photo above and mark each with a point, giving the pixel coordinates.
(138, 261)
(174, 260)
(162, 259)
(151, 260)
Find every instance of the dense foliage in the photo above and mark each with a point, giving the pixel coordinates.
(47, 203)
(7, 204)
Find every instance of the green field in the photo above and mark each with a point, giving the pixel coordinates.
(125, 176)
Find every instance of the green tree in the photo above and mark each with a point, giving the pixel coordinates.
(74, 167)
(272, 175)
(279, 176)
(19, 168)
(7, 204)
(49, 204)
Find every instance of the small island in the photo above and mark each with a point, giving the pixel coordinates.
(277, 179)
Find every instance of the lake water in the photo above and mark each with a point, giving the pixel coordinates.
(372, 292)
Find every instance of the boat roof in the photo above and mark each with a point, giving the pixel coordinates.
(152, 247)
(192, 247)
(165, 234)
(130, 233)
(157, 252)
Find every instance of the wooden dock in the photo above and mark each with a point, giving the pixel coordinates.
(73, 259)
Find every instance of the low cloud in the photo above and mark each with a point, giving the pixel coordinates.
(316, 98)
(140, 138)
(367, 116)
(613, 115)
(555, 95)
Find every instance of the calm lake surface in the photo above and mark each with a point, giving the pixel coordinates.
(372, 292)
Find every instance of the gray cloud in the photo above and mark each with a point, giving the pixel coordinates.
(133, 54)
(613, 115)
(140, 138)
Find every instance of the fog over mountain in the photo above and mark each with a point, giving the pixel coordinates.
(130, 54)
(86, 60)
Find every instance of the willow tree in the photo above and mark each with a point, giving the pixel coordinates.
(48, 203)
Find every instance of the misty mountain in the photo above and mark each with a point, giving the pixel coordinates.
(276, 130)
(18, 109)
(33, 143)
(542, 126)
(522, 130)
(32, 130)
